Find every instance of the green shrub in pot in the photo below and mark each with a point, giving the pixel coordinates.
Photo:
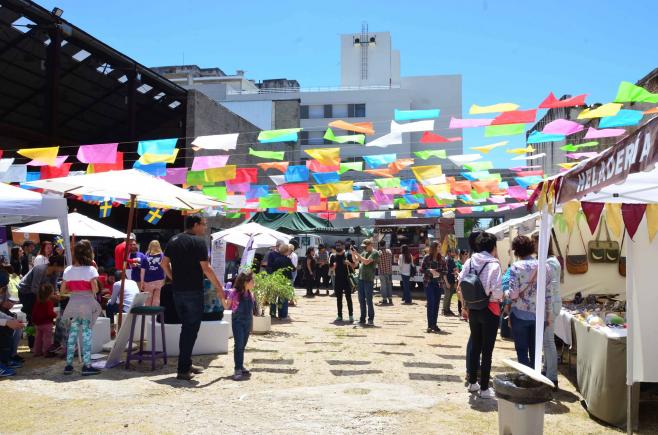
(271, 288)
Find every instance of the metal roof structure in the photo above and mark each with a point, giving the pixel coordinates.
(61, 86)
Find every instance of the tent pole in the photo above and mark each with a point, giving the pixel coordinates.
(131, 215)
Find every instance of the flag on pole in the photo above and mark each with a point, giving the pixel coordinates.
(105, 209)
(153, 216)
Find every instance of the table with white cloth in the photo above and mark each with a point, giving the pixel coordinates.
(562, 326)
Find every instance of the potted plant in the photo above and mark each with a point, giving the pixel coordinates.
(269, 289)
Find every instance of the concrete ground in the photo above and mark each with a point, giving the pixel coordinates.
(309, 376)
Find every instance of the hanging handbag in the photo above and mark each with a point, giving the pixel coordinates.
(603, 251)
(622, 260)
(559, 256)
(577, 264)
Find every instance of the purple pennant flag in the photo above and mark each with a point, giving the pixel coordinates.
(208, 162)
(382, 198)
(313, 199)
(99, 153)
(368, 205)
(176, 175)
(238, 187)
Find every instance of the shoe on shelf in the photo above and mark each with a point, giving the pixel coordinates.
(68, 370)
(489, 393)
(6, 371)
(90, 371)
(473, 388)
(196, 370)
(187, 376)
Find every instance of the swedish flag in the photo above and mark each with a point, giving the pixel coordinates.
(105, 209)
(154, 215)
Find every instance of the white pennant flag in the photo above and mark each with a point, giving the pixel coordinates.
(410, 127)
(464, 158)
(216, 142)
(533, 157)
(392, 138)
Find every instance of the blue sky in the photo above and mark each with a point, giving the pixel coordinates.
(507, 51)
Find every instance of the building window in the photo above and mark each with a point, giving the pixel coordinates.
(316, 137)
(340, 111)
(303, 137)
(303, 112)
(316, 112)
(356, 110)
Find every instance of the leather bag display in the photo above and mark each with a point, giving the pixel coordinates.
(603, 251)
(577, 264)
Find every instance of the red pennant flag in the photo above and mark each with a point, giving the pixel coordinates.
(538, 172)
(54, 172)
(552, 103)
(632, 214)
(296, 190)
(592, 212)
(515, 117)
(429, 137)
(430, 202)
(465, 210)
(245, 175)
(105, 167)
(315, 166)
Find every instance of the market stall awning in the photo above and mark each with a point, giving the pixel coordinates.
(264, 237)
(294, 223)
(121, 185)
(79, 225)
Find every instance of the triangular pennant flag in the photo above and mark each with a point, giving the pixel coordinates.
(429, 137)
(652, 220)
(551, 102)
(325, 156)
(592, 212)
(426, 154)
(105, 209)
(504, 130)
(494, 108)
(350, 166)
(154, 215)
(608, 109)
(486, 148)
(358, 138)
(528, 149)
(274, 155)
(47, 155)
(633, 214)
(392, 138)
(280, 166)
(357, 127)
(630, 93)
(515, 117)
(570, 212)
(613, 218)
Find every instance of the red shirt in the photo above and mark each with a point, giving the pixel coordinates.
(43, 313)
(231, 252)
(119, 252)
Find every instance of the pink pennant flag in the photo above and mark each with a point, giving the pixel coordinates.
(497, 199)
(382, 198)
(517, 192)
(523, 168)
(563, 127)
(209, 162)
(176, 175)
(585, 155)
(238, 187)
(99, 153)
(313, 199)
(368, 205)
(593, 133)
(469, 122)
(59, 160)
(394, 191)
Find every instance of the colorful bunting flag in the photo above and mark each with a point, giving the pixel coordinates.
(215, 175)
(245, 175)
(387, 182)
(282, 135)
(623, 118)
(325, 156)
(539, 137)
(652, 220)
(296, 174)
(280, 166)
(326, 177)
(409, 115)
(551, 102)
(494, 108)
(478, 166)
(154, 215)
(157, 146)
(99, 153)
(426, 154)
(593, 133)
(504, 130)
(96, 168)
(630, 93)
(315, 166)
(47, 155)
(379, 160)
(224, 142)
(428, 174)
(570, 212)
(358, 138)
(592, 212)
(486, 148)
(468, 123)
(151, 158)
(562, 127)
(176, 175)
(429, 137)
(158, 169)
(460, 159)
(613, 218)
(410, 127)
(357, 127)
(273, 200)
(105, 209)
(392, 138)
(350, 166)
(528, 149)
(399, 165)
(609, 109)
(208, 162)
(515, 117)
(632, 215)
(217, 192)
(274, 155)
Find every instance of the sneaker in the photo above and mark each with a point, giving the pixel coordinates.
(435, 328)
(362, 321)
(90, 371)
(371, 322)
(6, 371)
(338, 319)
(245, 372)
(238, 376)
(487, 394)
(187, 376)
(390, 301)
(68, 370)
(473, 388)
(382, 303)
(14, 364)
(351, 319)
(196, 370)
(18, 358)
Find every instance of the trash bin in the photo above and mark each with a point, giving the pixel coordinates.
(520, 404)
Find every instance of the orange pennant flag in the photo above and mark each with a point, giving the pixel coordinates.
(280, 166)
(358, 127)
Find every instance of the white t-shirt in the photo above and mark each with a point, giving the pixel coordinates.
(40, 259)
(294, 259)
(130, 289)
(405, 268)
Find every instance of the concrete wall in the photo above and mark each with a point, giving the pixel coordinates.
(381, 68)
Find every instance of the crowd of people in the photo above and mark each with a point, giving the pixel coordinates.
(175, 278)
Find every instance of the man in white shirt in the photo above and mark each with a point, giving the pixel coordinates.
(130, 289)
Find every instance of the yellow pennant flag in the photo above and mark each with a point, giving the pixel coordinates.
(405, 206)
(494, 108)
(568, 165)
(220, 174)
(613, 218)
(333, 189)
(541, 199)
(652, 220)
(333, 206)
(570, 212)
(149, 158)
(325, 156)
(609, 109)
(528, 149)
(401, 214)
(46, 155)
(437, 189)
(428, 174)
(484, 149)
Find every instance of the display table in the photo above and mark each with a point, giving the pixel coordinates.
(562, 327)
(601, 368)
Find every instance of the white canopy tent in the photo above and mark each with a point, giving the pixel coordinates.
(21, 205)
(263, 237)
(506, 232)
(79, 225)
(129, 185)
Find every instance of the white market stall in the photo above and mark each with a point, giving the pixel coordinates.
(79, 225)
(263, 237)
(623, 174)
(21, 205)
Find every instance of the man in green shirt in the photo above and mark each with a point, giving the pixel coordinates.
(368, 259)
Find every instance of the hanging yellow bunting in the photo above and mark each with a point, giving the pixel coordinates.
(568, 165)
(401, 214)
(652, 220)
(609, 109)
(613, 218)
(570, 212)
(427, 174)
(484, 149)
(149, 158)
(325, 156)
(528, 149)
(494, 108)
(46, 155)
(220, 174)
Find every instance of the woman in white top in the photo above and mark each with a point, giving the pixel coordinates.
(44, 253)
(405, 262)
(295, 261)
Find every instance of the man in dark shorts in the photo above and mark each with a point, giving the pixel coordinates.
(342, 265)
(185, 263)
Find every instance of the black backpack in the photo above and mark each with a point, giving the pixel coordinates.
(472, 290)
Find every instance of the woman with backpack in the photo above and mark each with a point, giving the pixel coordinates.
(480, 284)
(523, 293)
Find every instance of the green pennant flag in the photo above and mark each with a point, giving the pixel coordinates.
(358, 138)
(273, 200)
(274, 155)
(490, 208)
(489, 177)
(287, 203)
(195, 178)
(233, 215)
(630, 93)
(282, 135)
(218, 192)
(478, 166)
(350, 166)
(426, 154)
(572, 147)
(504, 130)
(387, 182)
(479, 196)
(569, 147)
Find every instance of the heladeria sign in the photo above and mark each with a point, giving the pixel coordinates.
(636, 153)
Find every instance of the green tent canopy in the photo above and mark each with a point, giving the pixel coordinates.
(296, 223)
